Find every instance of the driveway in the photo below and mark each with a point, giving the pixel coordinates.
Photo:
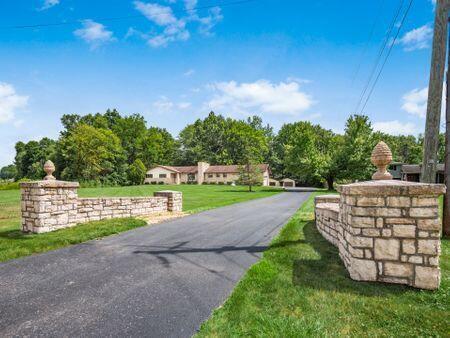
(157, 281)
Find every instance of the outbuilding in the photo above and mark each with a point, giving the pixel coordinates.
(288, 183)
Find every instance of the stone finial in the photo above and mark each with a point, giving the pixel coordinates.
(381, 157)
(49, 169)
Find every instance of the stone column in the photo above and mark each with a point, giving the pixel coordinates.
(390, 232)
(174, 199)
(48, 205)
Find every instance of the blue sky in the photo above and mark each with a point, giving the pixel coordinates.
(286, 61)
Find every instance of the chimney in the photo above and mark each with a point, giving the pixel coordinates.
(202, 167)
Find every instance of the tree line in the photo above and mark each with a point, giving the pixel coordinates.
(112, 149)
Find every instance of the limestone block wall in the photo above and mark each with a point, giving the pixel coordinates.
(387, 231)
(51, 205)
(95, 209)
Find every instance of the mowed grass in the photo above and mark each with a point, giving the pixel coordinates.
(14, 243)
(300, 288)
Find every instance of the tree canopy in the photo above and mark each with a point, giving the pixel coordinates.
(110, 148)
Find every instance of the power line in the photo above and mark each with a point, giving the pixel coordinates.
(65, 23)
(380, 54)
(372, 31)
(388, 54)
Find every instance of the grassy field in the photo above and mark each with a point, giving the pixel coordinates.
(300, 288)
(13, 243)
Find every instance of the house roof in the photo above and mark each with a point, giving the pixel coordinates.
(213, 169)
(230, 169)
(287, 180)
(416, 168)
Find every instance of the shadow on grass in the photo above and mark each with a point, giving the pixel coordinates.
(15, 234)
(329, 273)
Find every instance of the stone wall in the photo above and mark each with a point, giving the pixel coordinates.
(51, 205)
(387, 231)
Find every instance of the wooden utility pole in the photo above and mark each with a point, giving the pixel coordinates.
(431, 140)
(446, 213)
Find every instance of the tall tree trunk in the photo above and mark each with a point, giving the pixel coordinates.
(330, 183)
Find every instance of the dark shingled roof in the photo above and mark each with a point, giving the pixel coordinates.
(213, 169)
(416, 168)
(231, 169)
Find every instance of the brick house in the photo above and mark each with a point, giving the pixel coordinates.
(201, 173)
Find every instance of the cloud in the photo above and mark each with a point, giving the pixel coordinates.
(419, 38)
(49, 4)
(259, 97)
(184, 105)
(395, 127)
(415, 102)
(171, 28)
(10, 102)
(189, 72)
(94, 33)
(163, 104)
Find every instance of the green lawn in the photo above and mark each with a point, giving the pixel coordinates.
(14, 244)
(300, 288)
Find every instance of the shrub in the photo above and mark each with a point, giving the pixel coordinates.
(161, 182)
(221, 183)
(153, 182)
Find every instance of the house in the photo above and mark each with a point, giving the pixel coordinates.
(201, 173)
(273, 182)
(412, 172)
(395, 168)
(288, 183)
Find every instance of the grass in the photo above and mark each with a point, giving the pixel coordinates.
(300, 288)
(14, 243)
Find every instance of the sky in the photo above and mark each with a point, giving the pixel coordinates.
(173, 61)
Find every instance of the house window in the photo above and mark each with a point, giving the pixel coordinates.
(210, 175)
(162, 175)
(191, 177)
(224, 175)
(149, 175)
(217, 175)
(394, 167)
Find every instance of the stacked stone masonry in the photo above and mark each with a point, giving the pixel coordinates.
(386, 231)
(52, 205)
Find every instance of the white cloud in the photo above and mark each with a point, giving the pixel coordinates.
(415, 102)
(48, 4)
(94, 33)
(184, 105)
(395, 127)
(419, 38)
(259, 97)
(189, 72)
(10, 102)
(163, 104)
(174, 28)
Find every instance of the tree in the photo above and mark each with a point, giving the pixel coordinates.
(31, 156)
(249, 175)
(93, 154)
(8, 172)
(136, 172)
(130, 130)
(358, 142)
(157, 146)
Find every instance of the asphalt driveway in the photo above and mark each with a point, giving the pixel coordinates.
(158, 281)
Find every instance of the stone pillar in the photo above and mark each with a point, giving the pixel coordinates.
(174, 199)
(390, 232)
(48, 205)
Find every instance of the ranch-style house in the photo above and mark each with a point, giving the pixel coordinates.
(201, 173)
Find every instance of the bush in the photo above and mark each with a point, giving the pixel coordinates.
(161, 182)
(153, 182)
(10, 185)
(221, 183)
